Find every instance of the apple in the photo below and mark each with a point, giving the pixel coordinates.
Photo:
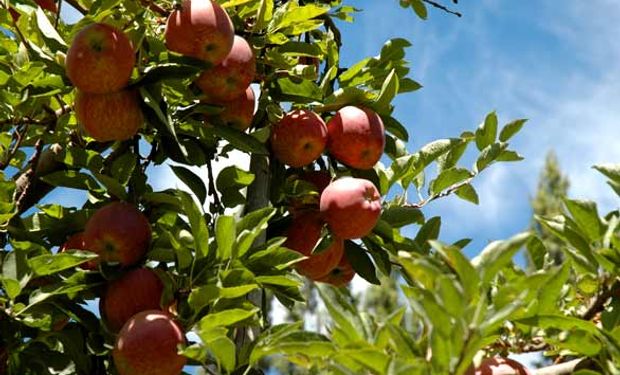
(147, 344)
(200, 29)
(299, 138)
(232, 76)
(499, 366)
(109, 117)
(237, 113)
(118, 232)
(351, 207)
(341, 275)
(356, 137)
(100, 59)
(320, 179)
(137, 290)
(76, 242)
(302, 236)
(47, 5)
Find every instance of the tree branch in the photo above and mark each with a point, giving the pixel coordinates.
(76, 4)
(598, 304)
(441, 194)
(443, 7)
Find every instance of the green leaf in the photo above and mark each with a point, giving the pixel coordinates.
(113, 187)
(225, 234)
(509, 155)
(468, 193)
(264, 14)
(497, 255)
(612, 171)
(249, 228)
(240, 140)
(551, 290)
(448, 178)
(387, 94)
(225, 318)
(361, 262)
(461, 266)
(197, 224)
(298, 90)
(190, 179)
(71, 179)
(170, 71)
(295, 14)
(400, 216)
(586, 216)
(511, 129)
(47, 29)
(49, 264)
(488, 155)
(487, 131)
(224, 350)
(205, 295)
(428, 231)
(536, 250)
(419, 8)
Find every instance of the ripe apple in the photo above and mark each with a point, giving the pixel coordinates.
(118, 232)
(76, 242)
(137, 290)
(100, 59)
(351, 207)
(200, 29)
(47, 5)
(356, 137)
(299, 138)
(147, 344)
(302, 236)
(109, 117)
(499, 366)
(237, 113)
(232, 76)
(341, 275)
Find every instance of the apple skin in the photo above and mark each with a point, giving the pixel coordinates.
(147, 344)
(118, 232)
(232, 76)
(299, 138)
(76, 242)
(341, 275)
(499, 366)
(302, 235)
(137, 290)
(109, 117)
(200, 29)
(47, 5)
(100, 59)
(351, 207)
(237, 113)
(356, 137)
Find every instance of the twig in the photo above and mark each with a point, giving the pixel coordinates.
(443, 7)
(331, 26)
(212, 189)
(441, 194)
(155, 8)
(598, 304)
(34, 161)
(58, 14)
(76, 4)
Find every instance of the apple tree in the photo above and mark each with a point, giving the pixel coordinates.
(139, 280)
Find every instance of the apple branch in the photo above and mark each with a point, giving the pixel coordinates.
(443, 7)
(155, 8)
(441, 194)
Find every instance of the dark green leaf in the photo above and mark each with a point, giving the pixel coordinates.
(361, 262)
(511, 129)
(487, 131)
(190, 179)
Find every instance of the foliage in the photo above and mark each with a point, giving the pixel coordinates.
(216, 266)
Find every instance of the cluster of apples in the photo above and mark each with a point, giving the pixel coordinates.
(147, 335)
(350, 207)
(203, 30)
(99, 63)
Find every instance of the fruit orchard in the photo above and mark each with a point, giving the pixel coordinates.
(331, 192)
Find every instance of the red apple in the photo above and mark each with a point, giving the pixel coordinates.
(200, 29)
(237, 113)
(76, 242)
(320, 179)
(356, 137)
(351, 207)
(499, 366)
(299, 138)
(100, 59)
(231, 77)
(137, 290)
(109, 117)
(47, 5)
(118, 232)
(147, 344)
(341, 275)
(302, 236)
